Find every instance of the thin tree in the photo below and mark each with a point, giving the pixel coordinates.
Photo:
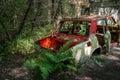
(59, 10)
(21, 26)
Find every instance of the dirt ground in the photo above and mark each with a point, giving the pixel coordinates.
(109, 69)
(12, 69)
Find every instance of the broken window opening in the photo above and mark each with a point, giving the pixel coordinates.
(75, 27)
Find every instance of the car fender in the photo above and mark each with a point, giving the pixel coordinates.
(84, 50)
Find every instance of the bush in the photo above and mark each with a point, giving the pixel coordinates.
(24, 43)
(21, 46)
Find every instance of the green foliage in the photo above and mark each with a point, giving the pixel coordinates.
(47, 62)
(65, 46)
(2, 56)
(68, 9)
(25, 42)
(11, 12)
(98, 60)
(23, 46)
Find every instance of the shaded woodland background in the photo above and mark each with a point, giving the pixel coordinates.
(22, 22)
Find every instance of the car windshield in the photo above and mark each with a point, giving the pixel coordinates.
(75, 27)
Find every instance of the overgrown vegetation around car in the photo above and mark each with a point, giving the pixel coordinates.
(47, 62)
(42, 61)
(24, 43)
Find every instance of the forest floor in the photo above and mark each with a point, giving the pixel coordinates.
(109, 69)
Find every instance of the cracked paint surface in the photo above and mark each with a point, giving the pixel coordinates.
(82, 52)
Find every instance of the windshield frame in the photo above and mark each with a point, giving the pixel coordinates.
(74, 21)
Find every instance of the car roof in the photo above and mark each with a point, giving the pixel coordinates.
(86, 18)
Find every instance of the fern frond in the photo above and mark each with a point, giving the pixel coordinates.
(65, 46)
(47, 62)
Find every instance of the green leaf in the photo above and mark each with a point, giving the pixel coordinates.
(30, 64)
(72, 67)
(1, 58)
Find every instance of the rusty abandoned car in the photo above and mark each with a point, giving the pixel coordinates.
(88, 34)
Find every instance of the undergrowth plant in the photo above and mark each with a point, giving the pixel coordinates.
(1, 57)
(47, 62)
(24, 43)
(98, 60)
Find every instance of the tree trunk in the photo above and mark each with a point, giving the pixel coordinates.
(59, 10)
(33, 21)
(21, 26)
(6, 32)
(53, 9)
(35, 15)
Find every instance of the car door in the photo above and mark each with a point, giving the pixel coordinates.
(106, 33)
(114, 29)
